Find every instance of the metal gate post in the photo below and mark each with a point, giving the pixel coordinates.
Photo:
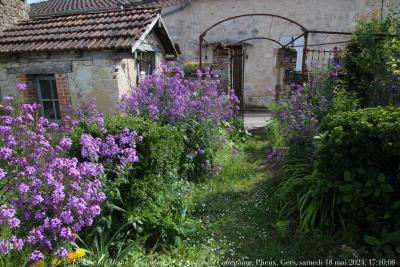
(304, 66)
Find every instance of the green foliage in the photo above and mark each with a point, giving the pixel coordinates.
(366, 137)
(202, 140)
(359, 154)
(352, 182)
(161, 148)
(371, 61)
(343, 100)
(305, 193)
(274, 135)
(236, 130)
(147, 200)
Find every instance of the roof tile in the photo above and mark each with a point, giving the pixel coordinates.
(57, 7)
(101, 30)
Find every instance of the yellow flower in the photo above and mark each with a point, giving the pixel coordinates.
(56, 262)
(38, 264)
(80, 252)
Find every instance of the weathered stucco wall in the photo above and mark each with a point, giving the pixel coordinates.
(186, 25)
(105, 76)
(11, 11)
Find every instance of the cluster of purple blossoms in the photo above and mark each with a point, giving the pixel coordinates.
(275, 158)
(85, 111)
(48, 197)
(301, 112)
(118, 149)
(172, 99)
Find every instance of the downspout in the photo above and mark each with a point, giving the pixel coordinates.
(179, 8)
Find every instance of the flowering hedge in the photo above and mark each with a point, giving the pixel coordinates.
(47, 197)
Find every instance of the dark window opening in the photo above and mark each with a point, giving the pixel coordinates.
(145, 64)
(48, 97)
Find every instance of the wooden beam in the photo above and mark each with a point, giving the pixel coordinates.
(40, 68)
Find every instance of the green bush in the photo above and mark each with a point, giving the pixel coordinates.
(359, 157)
(161, 148)
(202, 140)
(147, 200)
(372, 62)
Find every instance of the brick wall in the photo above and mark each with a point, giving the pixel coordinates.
(221, 63)
(64, 96)
(30, 94)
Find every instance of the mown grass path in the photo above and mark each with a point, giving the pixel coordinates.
(239, 212)
(239, 222)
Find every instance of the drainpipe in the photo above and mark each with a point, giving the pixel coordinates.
(382, 4)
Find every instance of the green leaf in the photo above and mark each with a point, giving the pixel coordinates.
(381, 177)
(347, 176)
(348, 198)
(393, 237)
(346, 188)
(114, 207)
(370, 240)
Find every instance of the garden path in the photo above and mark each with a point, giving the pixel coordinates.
(240, 213)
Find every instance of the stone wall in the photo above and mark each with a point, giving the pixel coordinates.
(104, 76)
(11, 11)
(187, 24)
(81, 76)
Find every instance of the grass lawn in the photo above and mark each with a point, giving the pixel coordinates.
(239, 219)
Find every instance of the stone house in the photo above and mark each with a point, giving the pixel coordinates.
(246, 51)
(66, 55)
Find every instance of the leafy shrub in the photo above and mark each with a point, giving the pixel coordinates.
(201, 143)
(359, 153)
(305, 193)
(195, 106)
(372, 62)
(145, 198)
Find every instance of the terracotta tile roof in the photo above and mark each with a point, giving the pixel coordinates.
(118, 29)
(163, 3)
(65, 6)
(58, 7)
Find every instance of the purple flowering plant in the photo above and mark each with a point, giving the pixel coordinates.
(299, 115)
(47, 197)
(172, 99)
(194, 105)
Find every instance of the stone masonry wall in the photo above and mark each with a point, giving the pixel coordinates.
(186, 25)
(11, 11)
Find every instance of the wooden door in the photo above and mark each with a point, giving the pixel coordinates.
(237, 72)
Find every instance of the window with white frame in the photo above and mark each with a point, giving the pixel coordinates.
(48, 97)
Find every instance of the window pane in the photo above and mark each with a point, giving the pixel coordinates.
(48, 110)
(58, 114)
(54, 87)
(45, 89)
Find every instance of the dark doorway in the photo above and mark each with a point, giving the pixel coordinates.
(237, 71)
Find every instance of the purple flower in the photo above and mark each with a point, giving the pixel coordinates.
(21, 86)
(61, 253)
(2, 173)
(36, 256)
